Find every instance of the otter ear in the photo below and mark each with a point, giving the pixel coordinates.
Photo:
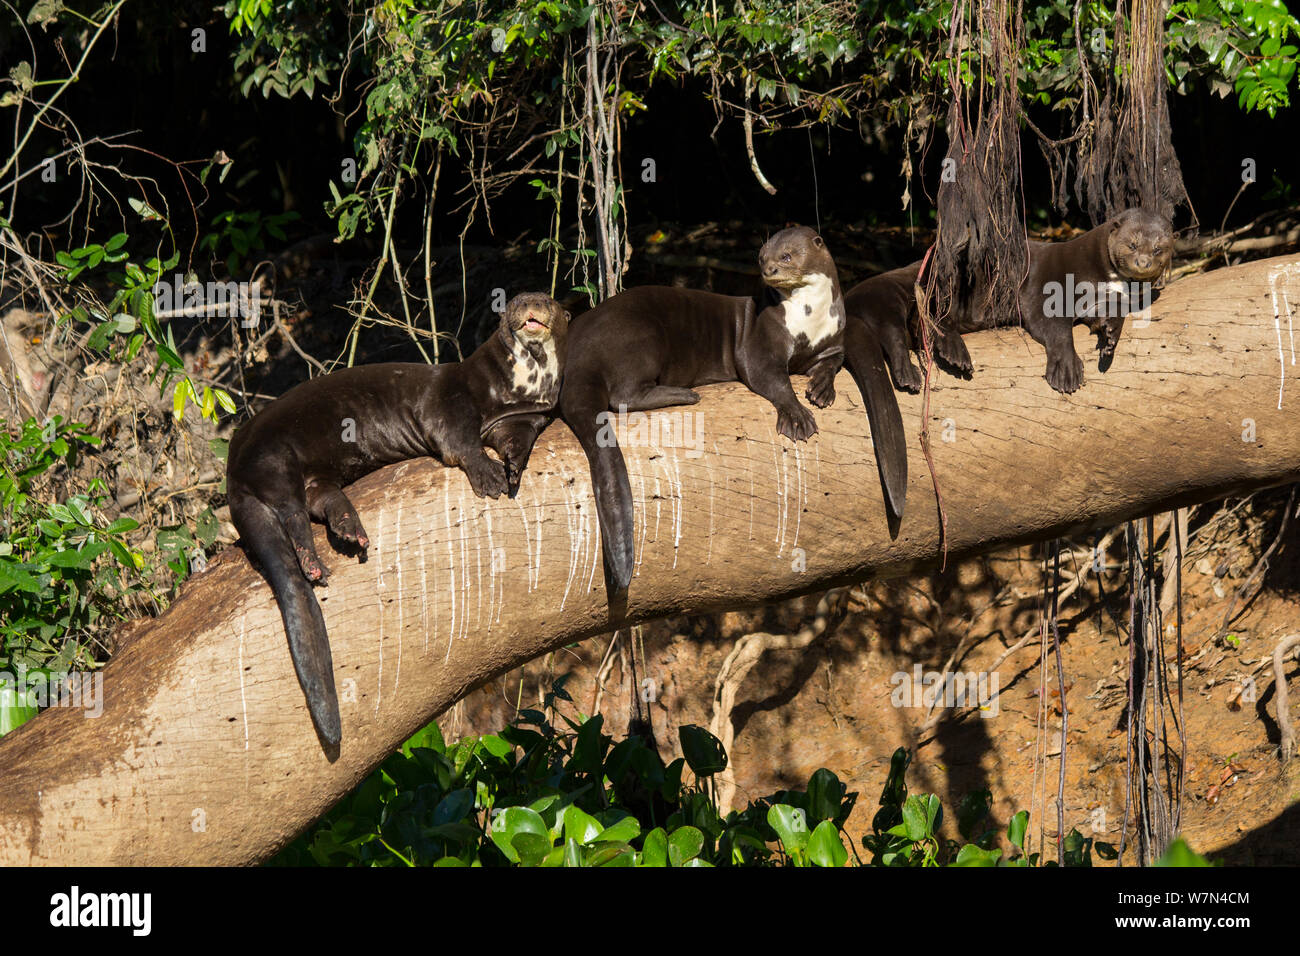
(567, 317)
(817, 241)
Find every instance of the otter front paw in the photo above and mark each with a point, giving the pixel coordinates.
(348, 527)
(487, 479)
(821, 390)
(797, 424)
(1065, 372)
(952, 352)
(312, 568)
(907, 376)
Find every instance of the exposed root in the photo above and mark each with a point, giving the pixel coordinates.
(747, 652)
(1284, 647)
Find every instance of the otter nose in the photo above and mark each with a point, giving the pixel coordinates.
(1142, 261)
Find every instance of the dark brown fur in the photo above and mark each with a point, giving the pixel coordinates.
(1135, 247)
(650, 347)
(291, 461)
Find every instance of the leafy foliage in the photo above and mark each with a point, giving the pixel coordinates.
(1247, 47)
(127, 322)
(535, 795)
(61, 568)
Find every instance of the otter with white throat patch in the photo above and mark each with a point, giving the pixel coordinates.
(288, 465)
(649, 348)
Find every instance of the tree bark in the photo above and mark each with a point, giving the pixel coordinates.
(204, 753)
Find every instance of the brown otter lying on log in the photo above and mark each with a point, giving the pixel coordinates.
(289, 463)
(1096, 279)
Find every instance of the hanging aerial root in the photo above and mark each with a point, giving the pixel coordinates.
(747, 652)
(1284, 647)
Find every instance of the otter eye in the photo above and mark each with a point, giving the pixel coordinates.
(785, 257)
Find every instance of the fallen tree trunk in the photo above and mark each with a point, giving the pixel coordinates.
(205, 753)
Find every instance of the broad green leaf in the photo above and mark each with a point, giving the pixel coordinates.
(1016, 829)
(512, 821)
(654, 851)
(455, 806)
(624, 830)
(579, 825)
(531, 848)
(1180, 854)
(914, 827)
(825, 847)
(791, 825)
(702, 750)
(825, 793)
(684, 844)
(15, 709)
(971, 855)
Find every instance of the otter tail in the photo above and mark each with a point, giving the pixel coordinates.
(584, 405)
(264, 535)
(865, 361)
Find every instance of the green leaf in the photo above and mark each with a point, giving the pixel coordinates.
(919, 816)
(206, 527)
(513, 821)
(654, 851)
(70, 558)
(15, 709)
(702, 750)
(825, 793)
(684, 844)
(171, 359)
(1180, 854)
(791, 825)
(530, 848)
(1016, 829)
(587, 749)
(98, 339)
(625, 829)
(971, 855)
(609, 854)
(455, 806)
(825, 847)
(122, 525)
(579, 825)
(496, 746)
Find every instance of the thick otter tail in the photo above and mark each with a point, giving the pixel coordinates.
(263, 534)
(865, 361)
(584, 404)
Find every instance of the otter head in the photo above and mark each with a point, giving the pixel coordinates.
(532, 319)
(793, 257)
(1140, 245)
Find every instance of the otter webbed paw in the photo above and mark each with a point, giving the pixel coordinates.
(1065, 372)
(348, 528)
(952, 351)
(312, 568)
(487, 478)
(907, 376)
(796, 424)
(821, 390)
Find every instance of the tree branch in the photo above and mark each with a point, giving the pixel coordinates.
(205, 753)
